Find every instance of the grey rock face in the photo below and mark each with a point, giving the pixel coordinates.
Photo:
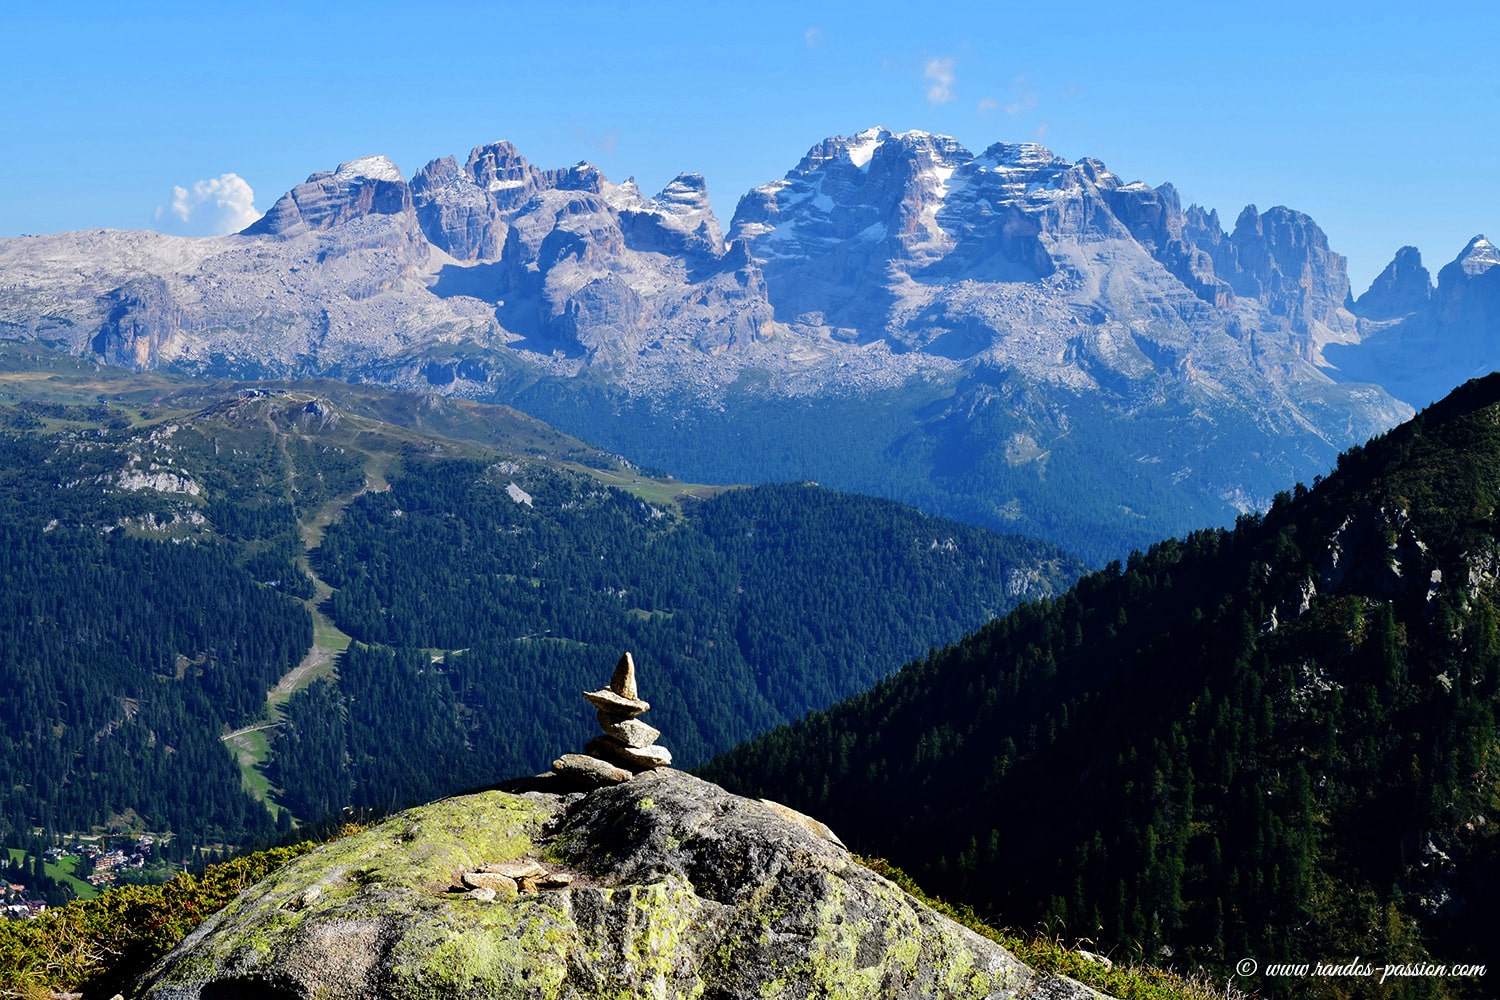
(674, 887)
(888, 235)
(1403, 288)
(454, 213)
(321, 300)
(143, 317)
(466, 211)
(368, 186)
(1280, 259)
(1284, 261)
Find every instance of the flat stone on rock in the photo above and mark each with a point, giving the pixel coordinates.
(515, 869)
(618, 705)
(635, 758)
(629, 732)
(589, 770)
(493, 881)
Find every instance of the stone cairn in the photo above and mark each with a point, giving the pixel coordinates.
(628, 745)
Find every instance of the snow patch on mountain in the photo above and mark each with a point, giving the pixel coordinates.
(368, 167)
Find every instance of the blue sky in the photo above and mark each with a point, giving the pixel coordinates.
(1379, 120)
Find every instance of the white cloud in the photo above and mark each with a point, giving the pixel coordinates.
(1023, 97)
(940, 72)
(223, 204)
(986, 105)
(813, 37)
(605, 143)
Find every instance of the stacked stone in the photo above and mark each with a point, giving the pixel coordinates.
(507, 878)
(627, 746)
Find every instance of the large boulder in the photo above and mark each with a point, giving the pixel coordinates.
(674, 888)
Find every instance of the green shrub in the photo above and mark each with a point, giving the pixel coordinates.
(1126, 982)
(98, 946)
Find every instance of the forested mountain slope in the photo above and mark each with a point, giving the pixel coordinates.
(1277, 741)
(485, 597)
(164, 597)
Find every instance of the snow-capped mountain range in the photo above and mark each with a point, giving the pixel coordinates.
(882, 261)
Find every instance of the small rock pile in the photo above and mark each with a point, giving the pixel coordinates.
(508, 878)
(628, 745)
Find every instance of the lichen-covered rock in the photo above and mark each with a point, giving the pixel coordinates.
(678, 889)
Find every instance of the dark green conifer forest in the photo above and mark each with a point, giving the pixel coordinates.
(479, 619)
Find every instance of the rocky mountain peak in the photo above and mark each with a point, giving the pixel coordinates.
(1281, 259)
(1023, 155)
(499, 166)
(686, 193)
(372, 168)
(1478, 257)
(581, 176)
(466, 211)
(1404, 287)
(1436, 336)
(1468, 292)
(369, 185)
(683, 206)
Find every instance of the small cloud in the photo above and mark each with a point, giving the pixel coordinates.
(606, 143)
(1041, 132)
(813, 36)
(940, 72)
(986, 105)
(1025, 98)
(212, 207)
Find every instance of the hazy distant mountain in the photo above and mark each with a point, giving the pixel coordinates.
(1419, 340)
(976, 334)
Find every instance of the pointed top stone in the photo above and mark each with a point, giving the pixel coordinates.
(623, 682)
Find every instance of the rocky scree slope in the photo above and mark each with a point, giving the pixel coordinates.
(668, 887)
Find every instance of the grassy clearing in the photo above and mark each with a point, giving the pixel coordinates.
(63, 872)
(657, 492)
(252, 746)
(250, 751)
